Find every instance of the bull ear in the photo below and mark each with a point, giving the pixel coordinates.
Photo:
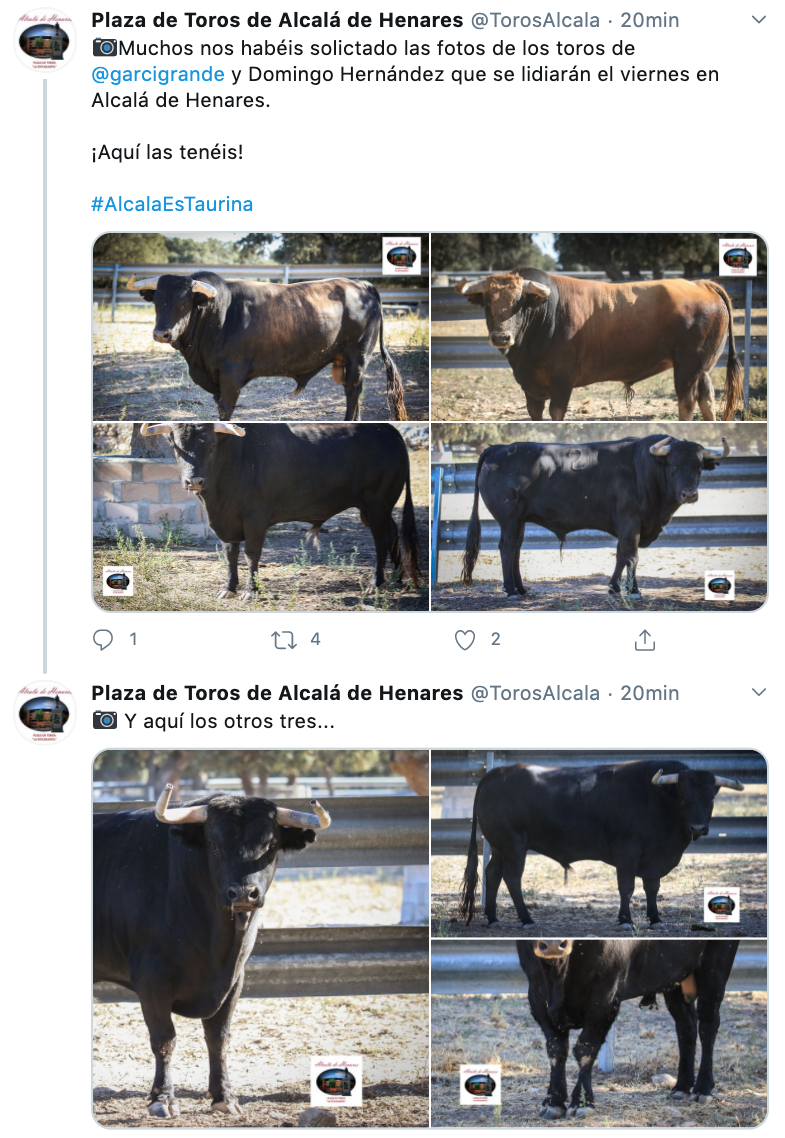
(296, 839)
(147, 294)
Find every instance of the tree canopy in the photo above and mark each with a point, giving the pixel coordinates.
(491, 252)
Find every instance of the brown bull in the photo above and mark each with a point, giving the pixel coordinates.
(559, 333)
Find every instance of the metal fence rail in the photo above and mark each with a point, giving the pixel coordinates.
(286, 274)
(347, 961)
(466, 768)
(450, 837)
(365, 831)
(307, 786)
(474, 352)
(488, 968)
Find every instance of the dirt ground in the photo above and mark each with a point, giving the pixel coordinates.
(670, 580)
(272, 1045)
(485, 1029)
(493, 394)
(294, 576)
(588, 905)
(135, 378)
(357, 897)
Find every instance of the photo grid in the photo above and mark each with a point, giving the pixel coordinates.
(545, 422)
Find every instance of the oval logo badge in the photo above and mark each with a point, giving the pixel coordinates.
(480, 1085)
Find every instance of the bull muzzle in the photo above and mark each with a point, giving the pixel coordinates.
(501, 340)
(553, 949)
(698, 832)
(162, 337)
(244, 898)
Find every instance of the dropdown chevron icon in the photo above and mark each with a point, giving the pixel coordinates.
(758, 21)
(762, 690)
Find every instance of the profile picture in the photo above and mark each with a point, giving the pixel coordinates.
(44, 713)
(44, 40)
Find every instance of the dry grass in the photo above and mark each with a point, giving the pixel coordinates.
(272, 1045)
(135, 378)
(294, 576)
(484, 1029)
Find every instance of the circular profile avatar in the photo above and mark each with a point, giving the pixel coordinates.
(336, 1081)
(45, 39)
(482, 1085)
(44, 711)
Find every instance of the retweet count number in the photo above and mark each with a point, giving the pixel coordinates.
(315, 638)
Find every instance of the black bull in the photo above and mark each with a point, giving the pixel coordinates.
(177, 896)
(637, 816)
(230, 332)
(581, 984)
(629, 488)
(250, 478)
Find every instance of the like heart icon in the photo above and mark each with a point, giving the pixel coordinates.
(464, 639)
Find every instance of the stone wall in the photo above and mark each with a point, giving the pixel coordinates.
(139, 492)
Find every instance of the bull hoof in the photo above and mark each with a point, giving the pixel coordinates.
(247, 596)
(580, 1111)
(231, 1107)
(658, 925)
(702, 1100)
(679, 1095)
(527, 924)
(552, 1112)
(624, 926)
(495, 921)
(226, 594)
(163, 1109)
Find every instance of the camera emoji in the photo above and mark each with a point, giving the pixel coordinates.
(105, 720)
(103, 47)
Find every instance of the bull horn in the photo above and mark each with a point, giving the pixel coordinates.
(203, 286)
(178, 815)
(156, 428)
(731, 783)
(136, 286)
(661, 448)
(229, 429)
(319, 820)
(536, 289)
(661, 779)
(466, 288)
(719, 452)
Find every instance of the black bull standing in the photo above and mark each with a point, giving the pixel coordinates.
(177, 896)
(230, 332)
(581, 984)
(629, 488)
(250, 478)
(637, 816)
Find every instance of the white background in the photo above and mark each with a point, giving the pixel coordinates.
(533, 157)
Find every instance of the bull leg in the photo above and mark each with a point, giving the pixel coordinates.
(561, 390)
(230, 387)
(557, 1046)
(706, 397)
(510, 550)
(385, 535)
(339, 370)
(355, 369)
(253, 551)
(163, 1040)
(626, 558)
(492, 881)
(512, 872)
(685, 1018)
(231, 551)
(535, 407)
(651, 887)
(217, 1036)
(586, 1050)
(626, 882)
(708, 1026)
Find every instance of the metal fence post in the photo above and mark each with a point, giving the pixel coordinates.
(286, 274)
(486, 845)
(114, 289)
(438, 478)
(747, 338)
(605, 1057)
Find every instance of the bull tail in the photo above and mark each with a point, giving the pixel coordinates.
(469, 884)
(409, 539)
(473, 533)
(395, 401)
(733, 396)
